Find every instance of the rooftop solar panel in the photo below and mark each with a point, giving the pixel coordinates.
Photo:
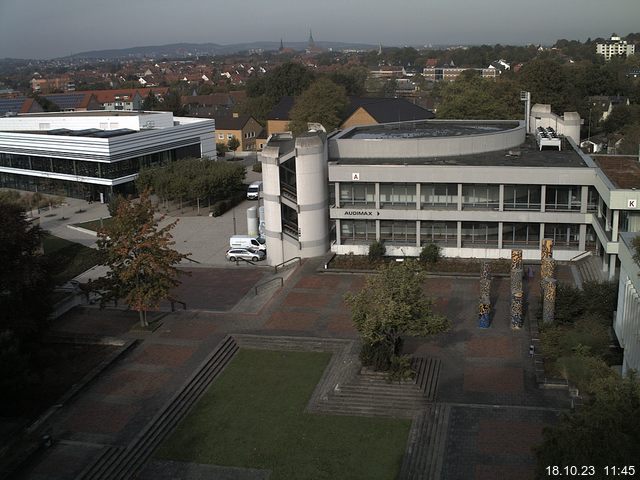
(11, 105)
(70, 100)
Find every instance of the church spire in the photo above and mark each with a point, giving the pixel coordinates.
(281, 46)
(311, 42)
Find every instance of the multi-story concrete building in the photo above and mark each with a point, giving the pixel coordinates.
(95, 154)
(475, 188)
(449, 74)
(615, 47)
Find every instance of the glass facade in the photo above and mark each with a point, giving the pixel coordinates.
(441, 233)
(358, 194)
(478, 234)
(357, 231)
(563, 198)
(565, 235)
(522, 197)
(398, 195)
(481, 197)
(520, 235)
(397, 232)
(439, 195)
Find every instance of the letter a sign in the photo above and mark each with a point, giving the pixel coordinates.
(355, 176)
(632, 203)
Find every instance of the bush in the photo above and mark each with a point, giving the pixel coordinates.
(114, 204)
(377, 250)
(586, 337)
(377, 355)
(430, 254)
(400, 369)
(583, 371)
(257, 167)
(219, 208)
(222, 206)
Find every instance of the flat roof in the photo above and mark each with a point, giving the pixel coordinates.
(526, 155)
(622, 170)
(427, 129)
(89, 113)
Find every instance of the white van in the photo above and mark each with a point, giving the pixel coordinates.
(246, 241)
(253, 192)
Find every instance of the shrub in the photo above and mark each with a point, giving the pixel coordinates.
(400, 369)
(376, 355)
(583, 371)
(257, 167)
(114, 203)
(587, 337)
(430, 254)
(377, 250)
(219, 208)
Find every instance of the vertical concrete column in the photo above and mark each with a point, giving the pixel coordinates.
(612, 266)
(543, 200)
(583, 237)
(615, 223)
(378, 230)
(312, 194)
(377, 195)
(584, 199)
(499, 235)
(459, 198)
(338, 232)
(607, 223)
(269, 158)
(336, 194)
(418, 240)
(600, 203)
(459, 239)
(501, 198)
(418, 205)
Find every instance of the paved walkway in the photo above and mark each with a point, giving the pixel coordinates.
(497, 411)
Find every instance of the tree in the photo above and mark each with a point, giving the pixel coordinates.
(139, 256)
(25, 282)
(221, 149)
(603, 432)
(288, 79)
(323, 102)
(233, 143)
(151, 102)
(390, 306)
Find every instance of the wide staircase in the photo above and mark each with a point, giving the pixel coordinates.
(370, 393)
(116, 463)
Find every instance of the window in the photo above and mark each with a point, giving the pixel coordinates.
(441, 233)
(221, 136)
(360, 194)
(357, 231)
(398, 232)
(563, 198)
(476, 234)
(564, 235)
(229, 136)
(397, 195)
(522, 197)
(439, 195)
(520, 235)
(482, 197)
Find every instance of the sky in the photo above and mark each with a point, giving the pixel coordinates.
(55, 28)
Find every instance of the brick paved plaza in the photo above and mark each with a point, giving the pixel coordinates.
(497, 411)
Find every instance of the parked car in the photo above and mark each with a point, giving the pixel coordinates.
(234, 254)
(253, 192)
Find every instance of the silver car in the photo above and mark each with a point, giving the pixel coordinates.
(234, 254)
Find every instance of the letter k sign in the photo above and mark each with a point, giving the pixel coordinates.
(631, 203)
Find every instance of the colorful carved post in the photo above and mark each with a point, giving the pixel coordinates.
(548, 268)
(517, 319)
(547, 248)
(484, 308)
(517, 294)
(549, 300)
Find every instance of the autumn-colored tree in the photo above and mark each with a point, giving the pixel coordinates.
(142, 264)
(391, 305)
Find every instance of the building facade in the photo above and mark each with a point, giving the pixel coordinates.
(476, 188)
(94, 155)
(615, 47)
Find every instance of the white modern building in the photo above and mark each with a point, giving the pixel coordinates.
(476, 188)
(615, 47)
(627, 321)
(95, 154)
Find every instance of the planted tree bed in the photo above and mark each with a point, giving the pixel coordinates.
(443, 265)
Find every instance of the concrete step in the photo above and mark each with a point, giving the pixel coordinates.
(127, 462)
(425, 447)
(364, 411)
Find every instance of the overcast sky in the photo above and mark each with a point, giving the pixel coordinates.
(53, 28)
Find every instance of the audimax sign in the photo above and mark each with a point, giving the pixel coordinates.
(361, 213)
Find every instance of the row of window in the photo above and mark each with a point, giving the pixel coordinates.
(474, 196)
(479, 234)
(83, 168)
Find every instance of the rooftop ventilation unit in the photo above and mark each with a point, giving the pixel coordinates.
(547, 137)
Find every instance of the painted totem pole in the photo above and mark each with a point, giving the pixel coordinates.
(548, 281)
(517, 294)
(484, 308)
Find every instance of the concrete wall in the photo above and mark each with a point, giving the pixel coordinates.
(627, 320)
(567, 125)
(428, 146)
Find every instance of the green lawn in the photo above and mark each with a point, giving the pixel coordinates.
(67, 259)
(253, 416)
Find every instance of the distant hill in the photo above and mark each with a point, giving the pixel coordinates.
(190, 49)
